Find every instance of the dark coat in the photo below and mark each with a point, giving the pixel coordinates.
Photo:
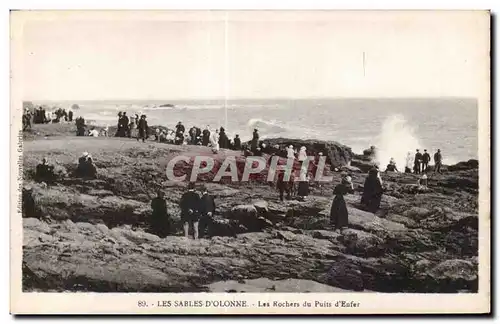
(339, 216)
(372, 193)
(237, 143)
(205, 137)
(418, 157)
(159, 222)
(426, 157)
(180, 129)
(207, 204)
(303, 189)
(45, 172)
(143, 125)
(255, 142)
(190, 200)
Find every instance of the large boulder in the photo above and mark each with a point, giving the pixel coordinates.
(362, 243)
(464, 165)
(346, 275)
(452, 276)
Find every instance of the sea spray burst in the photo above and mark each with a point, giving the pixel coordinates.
(395, 141)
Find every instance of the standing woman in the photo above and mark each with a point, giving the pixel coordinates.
(372, 191)
(339, 216)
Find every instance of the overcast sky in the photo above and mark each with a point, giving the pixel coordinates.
(252, 55)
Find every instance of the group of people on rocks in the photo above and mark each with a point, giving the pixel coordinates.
(373, 188)
(42, 116)
(86, 167)
(197, 213)
(421, 162)
(216, 139)
(418, 164)
(370, 199)
(44, 171)
(126, 125)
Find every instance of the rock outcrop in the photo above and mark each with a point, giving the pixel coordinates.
(337, 154)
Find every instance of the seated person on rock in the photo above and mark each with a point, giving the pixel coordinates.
(86, 167)
(391, 167)
(45, 172)
(422, 181)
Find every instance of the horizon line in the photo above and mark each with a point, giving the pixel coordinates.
(260, 98)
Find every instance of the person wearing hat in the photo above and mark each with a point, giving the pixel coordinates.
(438, 158)
(125, 123)
(255, 141)
(409, 162)
(179, 133)
(119, 126)
(426, 158)
(418, 162)
(207, 210)
(372, 191)
(45, 172)
(157, 135)
(339, 216)
(422, 182)
(391, 167)
(302, 154)
(86, 167)
(214, 141)
(205, 136)
(290, 153)
(237, 143)
(142, 128)
(303, 185)
(190, 210)
(159, 221)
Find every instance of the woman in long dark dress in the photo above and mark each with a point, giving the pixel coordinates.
(339, 217)
(372, 192)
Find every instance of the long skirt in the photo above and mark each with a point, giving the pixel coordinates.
(303, 189)
(339, 217)
(371, 202)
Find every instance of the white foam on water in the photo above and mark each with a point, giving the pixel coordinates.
(396, 139)
(266, 126)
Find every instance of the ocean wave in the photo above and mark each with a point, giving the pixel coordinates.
(266, 126)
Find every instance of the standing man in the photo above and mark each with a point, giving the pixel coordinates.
(125, 123)
(142, 129)
(190, 206)
(426, 158)
(438, 158)
(417, 163)
(237, 143)
(255, 141)
(159, 221)
(207, 210)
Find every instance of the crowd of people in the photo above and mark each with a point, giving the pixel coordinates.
(41, 115)
(419, 163)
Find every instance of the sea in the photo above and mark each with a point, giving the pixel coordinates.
(394, 126)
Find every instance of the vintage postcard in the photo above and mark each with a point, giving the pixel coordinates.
(250, 162)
